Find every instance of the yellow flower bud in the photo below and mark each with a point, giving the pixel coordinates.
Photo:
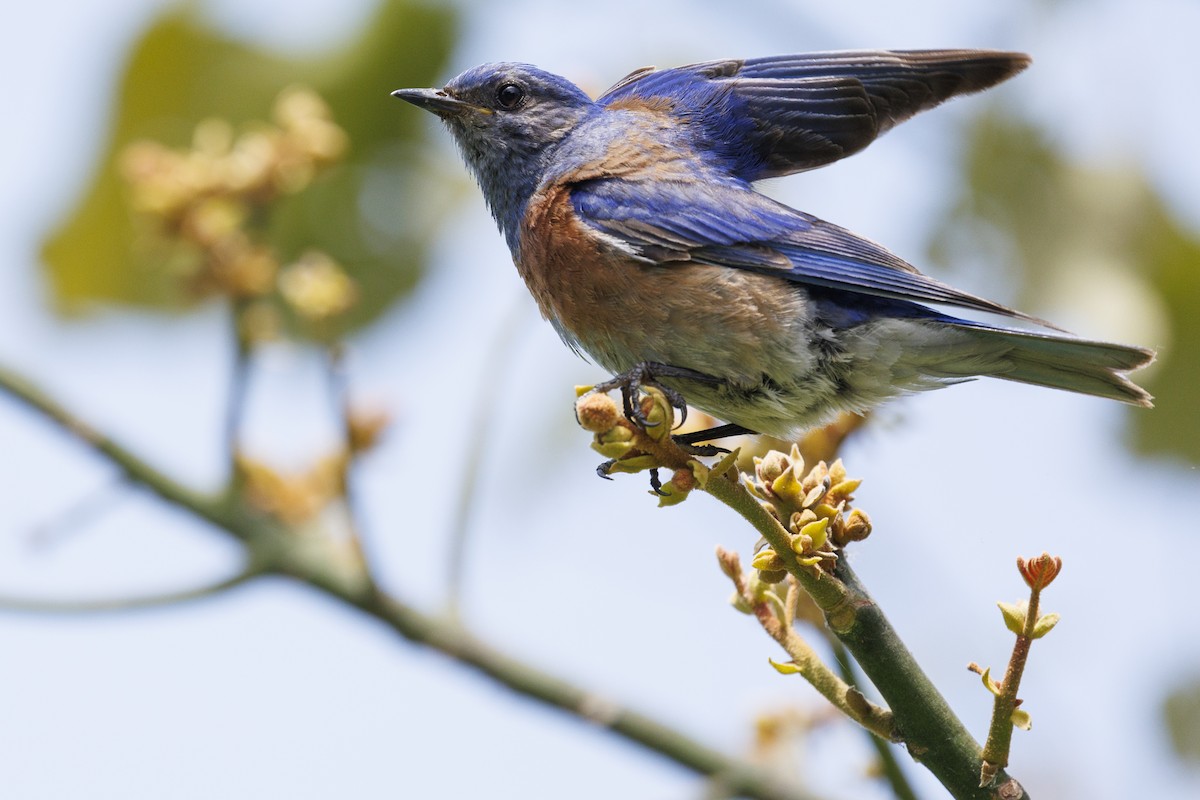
(843, 490)
(857, 526)
(659, 414)
(676, 490)
(597, 413)
(316, 287)
(816, 531)
(767, 559)
(771, 466)
(787, 486)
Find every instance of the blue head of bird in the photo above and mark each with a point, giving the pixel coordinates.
(507, 120)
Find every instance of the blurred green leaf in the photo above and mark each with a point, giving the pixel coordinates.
(183, 71)
(1181, 715)
(1100, 237)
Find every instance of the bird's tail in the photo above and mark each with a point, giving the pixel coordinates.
(1061, 362)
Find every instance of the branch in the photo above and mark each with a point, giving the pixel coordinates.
(339, 395)
(932, 733)
(239, 384)
(495, 366)
(777, 617)
(211, 508)
(84, 510)
(270, 542)
(1028, 625)
(447, 636)
(890, 767)
(29, 605)
(801, 518)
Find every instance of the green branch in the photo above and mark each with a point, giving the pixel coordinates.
(1027, 624)
(930, 730)
(890, 767)
(211, 508)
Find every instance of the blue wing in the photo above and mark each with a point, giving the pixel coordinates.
(782, 114)
(726, 223)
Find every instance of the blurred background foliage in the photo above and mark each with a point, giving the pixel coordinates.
(1181, 709)
(1100, 243)
(184, 71)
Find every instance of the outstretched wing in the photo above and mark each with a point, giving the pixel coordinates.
(728, 224)
(782, 114)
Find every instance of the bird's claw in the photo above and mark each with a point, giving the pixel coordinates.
(646, 375)
(656, 482)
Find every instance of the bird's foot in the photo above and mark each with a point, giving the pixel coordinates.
(647, 375)
(645, 420)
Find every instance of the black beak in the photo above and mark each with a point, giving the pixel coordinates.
(435, 100)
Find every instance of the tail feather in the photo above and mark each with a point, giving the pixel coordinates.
(1059, 362)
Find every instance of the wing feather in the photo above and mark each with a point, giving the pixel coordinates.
(782, 114)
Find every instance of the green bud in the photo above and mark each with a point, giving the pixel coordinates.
(739, 603)
(612, 449)
(1044, 625)
(1014, 616)
(988, 683)
(772, 576)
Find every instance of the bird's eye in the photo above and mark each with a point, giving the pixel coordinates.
(510, 96)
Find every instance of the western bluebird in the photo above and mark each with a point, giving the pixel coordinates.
(635, 224)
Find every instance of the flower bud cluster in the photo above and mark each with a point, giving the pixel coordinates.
(812, 504)
(211, 199)
(623, 442)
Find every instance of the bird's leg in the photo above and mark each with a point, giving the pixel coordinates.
(648, 374)
(688, 441)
